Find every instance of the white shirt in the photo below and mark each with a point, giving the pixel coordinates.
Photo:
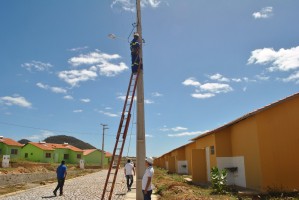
(129, 168)
(149, 172)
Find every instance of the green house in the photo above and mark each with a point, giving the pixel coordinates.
(94, 157)
(50, 152)
(10, 147)
(38, 152)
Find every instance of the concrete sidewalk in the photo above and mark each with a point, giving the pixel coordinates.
(132, 194)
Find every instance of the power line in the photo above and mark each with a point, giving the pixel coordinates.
(43, 129)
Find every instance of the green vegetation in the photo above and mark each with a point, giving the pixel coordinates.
(218, 180)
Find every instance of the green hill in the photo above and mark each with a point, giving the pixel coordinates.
(60, 139)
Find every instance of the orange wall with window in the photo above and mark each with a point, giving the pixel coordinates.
(279, 145)
(207, 141)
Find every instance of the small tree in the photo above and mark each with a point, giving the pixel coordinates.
(218, 179)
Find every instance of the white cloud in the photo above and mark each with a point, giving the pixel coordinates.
(236, 80)
(101, 61)
(37, 65)
(85, 100)
(216, 88)
(281, 60)
(263, 13)
(58, 90)
(148, 101)
(186, 134)
(148, 135)
(68, 97)
(191, 81)
(78, 48)
(78, 111)
(53, 89)
(15, 100)
(92, 58)
(41, 85)
(129, 5)
(124, 98)
(262, 77)
(108, 113)
(74, 77)
(108, 108)
(219, 77)
(44, 134)
(293, 77)
(109, 69)
(202, 96)
(156, 94)
(179, 128)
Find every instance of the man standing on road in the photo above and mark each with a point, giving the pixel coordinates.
(129, 170)
(61, 174)
(147, 179)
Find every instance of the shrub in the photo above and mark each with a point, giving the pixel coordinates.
(218, 179)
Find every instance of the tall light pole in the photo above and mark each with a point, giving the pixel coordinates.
(103, 140)
(140, 139)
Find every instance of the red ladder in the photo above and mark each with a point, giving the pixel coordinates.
(120, 138)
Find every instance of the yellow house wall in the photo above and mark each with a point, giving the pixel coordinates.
(223, 143)
(279, 143)
(204, 142)
(244, 142)
(188, 155)
(199, 174)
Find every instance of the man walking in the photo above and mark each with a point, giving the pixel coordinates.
(61, 174)
(147, 179)
(129, 171)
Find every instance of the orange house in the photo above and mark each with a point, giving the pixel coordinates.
(260, 149)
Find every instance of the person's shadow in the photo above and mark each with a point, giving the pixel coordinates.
(48, 197)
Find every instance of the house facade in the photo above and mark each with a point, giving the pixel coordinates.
(10, 147)
(94, 157)
(50, 152)
(259, 149)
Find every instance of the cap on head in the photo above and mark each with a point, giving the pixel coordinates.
(136, 34)
(149, 160)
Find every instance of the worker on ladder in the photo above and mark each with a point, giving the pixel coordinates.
(134, 46)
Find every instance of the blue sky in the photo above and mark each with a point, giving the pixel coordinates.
(206, 63)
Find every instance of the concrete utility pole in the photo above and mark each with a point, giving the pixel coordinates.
(140, 139)
(103, 154)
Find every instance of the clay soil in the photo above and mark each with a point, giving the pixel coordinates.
(175, 187)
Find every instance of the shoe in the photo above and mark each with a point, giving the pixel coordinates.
(60, 194)
(55, 194)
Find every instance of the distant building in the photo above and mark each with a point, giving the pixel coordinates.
(94, 157)
(259, 149)
(10, 147)
(50, 152)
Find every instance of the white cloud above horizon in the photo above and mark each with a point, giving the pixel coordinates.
(53, 89)
(36, 66)
(208, 90)
(281, 60)
(15, 100)
(85, 100)
(186, 134)
(74, 77)
(40, 137)
(129, 5)
(265, 12)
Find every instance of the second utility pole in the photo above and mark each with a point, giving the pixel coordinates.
(103, 153)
